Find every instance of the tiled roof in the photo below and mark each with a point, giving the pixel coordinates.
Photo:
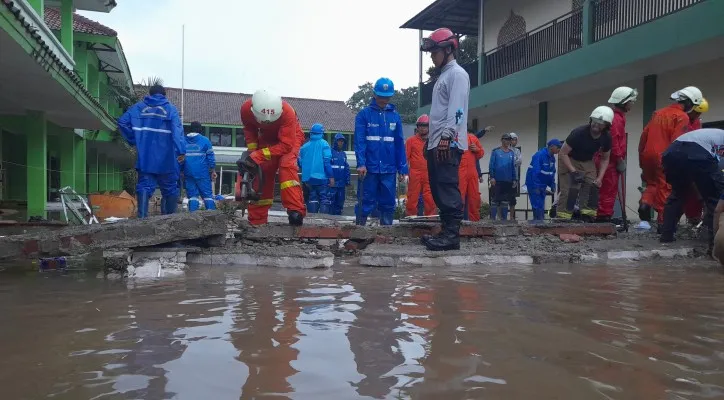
(81, 24)
(223, 108)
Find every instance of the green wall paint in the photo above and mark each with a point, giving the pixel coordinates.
(39, 6)
(66, 147)
(80, 56)
(649, 98)
(36, 136)
(80, 164)
(542, 124)
(66, 25)
(92, 171)
(587, 34)
(651, 39)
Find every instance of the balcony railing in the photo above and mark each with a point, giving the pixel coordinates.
(558, 37)
(615, 16)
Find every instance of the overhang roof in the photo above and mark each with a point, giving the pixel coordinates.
(88, 5)
(459, 15)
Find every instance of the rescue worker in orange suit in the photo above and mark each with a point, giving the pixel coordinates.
(469, 179)
(621, 101)
(419, 184)
(272, 134)
(694, 207)
(665, 126)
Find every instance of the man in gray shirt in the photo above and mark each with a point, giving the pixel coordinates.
(448, 138)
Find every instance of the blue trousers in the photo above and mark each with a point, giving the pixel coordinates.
(537, 201)
(198, 186)
(319, 201)
(378, 191)
(336, 196)
(168, 184)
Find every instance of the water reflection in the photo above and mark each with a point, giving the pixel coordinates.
(617, 333)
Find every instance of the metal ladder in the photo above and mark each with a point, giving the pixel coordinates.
(68, 197)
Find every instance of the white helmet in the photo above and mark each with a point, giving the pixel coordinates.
(513, 135)
(690, 92)
(266, 106)
(603, 113)
(623, 95)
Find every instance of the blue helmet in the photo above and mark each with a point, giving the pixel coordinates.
(384, 87)
(317, 128)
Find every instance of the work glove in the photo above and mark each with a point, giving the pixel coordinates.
(443, 148)
(621, 165)
(577, 177)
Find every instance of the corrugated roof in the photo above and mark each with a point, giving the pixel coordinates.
(81, 24)
(223, 108)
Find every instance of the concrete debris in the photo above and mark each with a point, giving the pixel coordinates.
(155, 269)
(570, 237)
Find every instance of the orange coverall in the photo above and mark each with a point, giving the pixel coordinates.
(665, 126)
(693, 207)
(468, 174)
(275, 147)
(419, 180)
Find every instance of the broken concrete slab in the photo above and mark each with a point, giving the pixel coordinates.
(175, 254)
(81, 239)
(284, 256)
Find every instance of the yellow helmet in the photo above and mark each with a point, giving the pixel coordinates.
(703, 107)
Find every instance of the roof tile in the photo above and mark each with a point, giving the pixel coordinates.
(223, 108)
(81, 24)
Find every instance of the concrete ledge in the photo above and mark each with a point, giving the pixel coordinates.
(174, 254)
(290, 256)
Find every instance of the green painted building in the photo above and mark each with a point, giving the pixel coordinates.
(57, 113)
(542, 66)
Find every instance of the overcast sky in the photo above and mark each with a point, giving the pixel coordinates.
(302, 48)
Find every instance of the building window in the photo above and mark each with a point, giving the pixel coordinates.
(240, 139)
(220, 136)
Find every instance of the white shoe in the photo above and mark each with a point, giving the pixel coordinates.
(643, 226)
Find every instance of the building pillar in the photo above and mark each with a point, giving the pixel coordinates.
(649, 106)
(93, 171)
(80, 56)
(36, 128)
(588, 15)
(481, 42)
(66, 149)
(66, 25)
(542, 124)
(92, 66)
(39, 6)
(81, 184)
(101, 173)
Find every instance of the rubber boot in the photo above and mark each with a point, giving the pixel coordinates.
(170, 204)
(645, 212)
(504, 213)
(448, 240)
(295, 218)
(493, 212)
(210, 204)
(142, 198)
(193, 205)
(386, 218)
(602, 219)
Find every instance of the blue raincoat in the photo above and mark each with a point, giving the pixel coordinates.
(200, 160)
(342, 177)
(315, 161)
(540, 175)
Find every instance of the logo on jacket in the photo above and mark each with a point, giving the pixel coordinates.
(372, 125)
(393, 125)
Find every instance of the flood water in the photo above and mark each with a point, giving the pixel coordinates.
(646, 332)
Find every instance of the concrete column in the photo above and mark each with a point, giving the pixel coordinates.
(481, 42)
(36, 135)
(588, 19)
(66, 25)
(66, 141)
(93, 75)
(80, 56)
(101, 173)
(39, 6)
(93, 167)
(649, 106)
(81, 184)
(542, 124)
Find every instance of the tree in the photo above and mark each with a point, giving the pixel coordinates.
(467, 53)
(405, 100)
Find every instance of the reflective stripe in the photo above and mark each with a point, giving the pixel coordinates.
(147, 112)
(546, 173)
(589, 212)
(209, 151)
(145, 128)
(252, 146)
(195, 154)
(373, 138)
(337, 166)
(264, 202)
(267, 153)
(288, 184)
(378, 138)
(208, 199)
(564, 215)
(388, 139)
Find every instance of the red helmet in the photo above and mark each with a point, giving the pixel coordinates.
(424, 120)
(439, 39)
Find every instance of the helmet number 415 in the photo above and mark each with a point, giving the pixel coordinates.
(268, 111)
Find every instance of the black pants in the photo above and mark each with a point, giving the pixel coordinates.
(686, 163)
(503, 194)
(445, 185)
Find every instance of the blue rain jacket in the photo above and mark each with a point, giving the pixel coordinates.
(340, 166)
(379, 143)
(542, 171)
(199, 156)
(315, 160)
(502, 165)
(153, 126)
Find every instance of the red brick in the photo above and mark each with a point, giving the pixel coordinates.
(314, 232)
(574, 229)
(384, 239)
(570, 238)
(476, 231)
(31, 247)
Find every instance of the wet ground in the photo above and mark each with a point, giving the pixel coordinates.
(645, 332)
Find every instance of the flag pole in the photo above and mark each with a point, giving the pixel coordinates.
(183, 35)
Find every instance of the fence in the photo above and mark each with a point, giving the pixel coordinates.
(611, 17)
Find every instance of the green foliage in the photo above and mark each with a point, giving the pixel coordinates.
(484, 210)
(467, 53)
(400, 211)
(405, 100)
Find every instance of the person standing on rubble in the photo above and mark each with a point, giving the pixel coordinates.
(315, 158)
(502, 178)
(541, 175)
(199, 168)
(518, 163)
(469, 177)
(153, 127)
(419, 184)
(665, 126)
(577, 176)
(694, 206)
(273, 136)
(379, 145)
(342, 176)
(448, 139)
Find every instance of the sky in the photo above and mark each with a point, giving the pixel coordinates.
(298, 48)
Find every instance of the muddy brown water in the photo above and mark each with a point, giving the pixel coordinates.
(645, 332)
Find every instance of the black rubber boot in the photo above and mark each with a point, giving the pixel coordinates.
(603, 219)
(449, 238)
(295, 218)
(645, 212)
